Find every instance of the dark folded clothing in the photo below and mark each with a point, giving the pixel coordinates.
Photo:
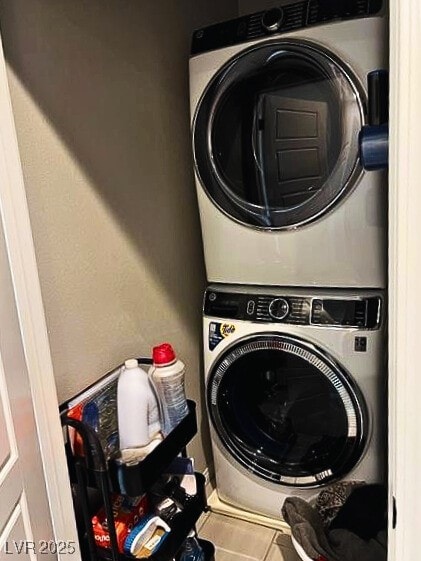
(332, 499)
(307, 528)
(340, 543)
(364, 512)
(350, 547)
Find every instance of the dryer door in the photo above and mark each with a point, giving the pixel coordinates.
(287, 411)
(276, 134)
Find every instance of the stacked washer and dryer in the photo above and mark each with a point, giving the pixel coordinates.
(295, 242)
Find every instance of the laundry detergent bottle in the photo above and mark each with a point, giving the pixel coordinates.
(167, 376)
(137, 407)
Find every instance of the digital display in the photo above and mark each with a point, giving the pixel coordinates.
(339, 312)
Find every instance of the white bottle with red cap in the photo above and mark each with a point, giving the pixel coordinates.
(167, 377)
(137, 408)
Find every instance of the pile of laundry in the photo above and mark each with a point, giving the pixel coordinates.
(348, 522)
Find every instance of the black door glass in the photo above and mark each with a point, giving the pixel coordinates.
(276, 135)
(284, 418)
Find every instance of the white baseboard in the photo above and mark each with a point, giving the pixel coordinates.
(218, 506)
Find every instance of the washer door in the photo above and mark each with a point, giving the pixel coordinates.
(276, 134)
(287, 411)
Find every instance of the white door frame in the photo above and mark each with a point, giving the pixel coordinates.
(405, 277)
(18, 234)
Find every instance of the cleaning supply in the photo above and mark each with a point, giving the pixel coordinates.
(167, 377)
(146, 537)
(127, 512)
(96, 407)
(100, 413)
(191, 550)
(137, 407)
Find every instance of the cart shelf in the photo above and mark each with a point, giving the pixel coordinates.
(181, 524)
(133, 479)
(207, 546)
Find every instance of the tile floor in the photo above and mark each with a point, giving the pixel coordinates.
(237, 540)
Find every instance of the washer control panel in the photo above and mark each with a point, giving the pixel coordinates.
(351, 312)
(292, 16)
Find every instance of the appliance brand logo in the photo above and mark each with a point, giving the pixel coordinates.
(227, 329)
(218, 332)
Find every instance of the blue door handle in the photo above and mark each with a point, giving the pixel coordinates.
(374, 137)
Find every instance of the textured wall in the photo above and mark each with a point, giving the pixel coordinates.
(100, 96)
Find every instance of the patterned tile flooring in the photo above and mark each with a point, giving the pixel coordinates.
(238, 540)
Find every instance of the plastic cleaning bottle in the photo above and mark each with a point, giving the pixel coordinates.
(167, 377)
(137, 407)
(192, 550)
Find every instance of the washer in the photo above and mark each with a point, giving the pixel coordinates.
(278, 99)
(296, 391)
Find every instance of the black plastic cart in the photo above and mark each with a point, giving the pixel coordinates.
(94, 478)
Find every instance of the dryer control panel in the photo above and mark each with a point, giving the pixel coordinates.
(289, 17)
(353, 312)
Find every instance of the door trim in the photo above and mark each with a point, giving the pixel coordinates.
(18, 234)
(404, 278)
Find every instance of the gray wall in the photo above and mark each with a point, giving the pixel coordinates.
(100, 96)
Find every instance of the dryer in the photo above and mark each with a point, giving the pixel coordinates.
(278, 99)
(296, 391)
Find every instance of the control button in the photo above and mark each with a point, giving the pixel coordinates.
(272, 19)
(278, 308)
(242, 29)
(317, 305)
(250, 307)
(212, 297)
(360, 344)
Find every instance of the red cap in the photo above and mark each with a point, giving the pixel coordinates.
(163, 354)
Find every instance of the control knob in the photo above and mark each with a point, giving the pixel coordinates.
(279, 308)
(272, 19)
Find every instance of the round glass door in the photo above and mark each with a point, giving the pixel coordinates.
(275, 135)
(286, 411)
